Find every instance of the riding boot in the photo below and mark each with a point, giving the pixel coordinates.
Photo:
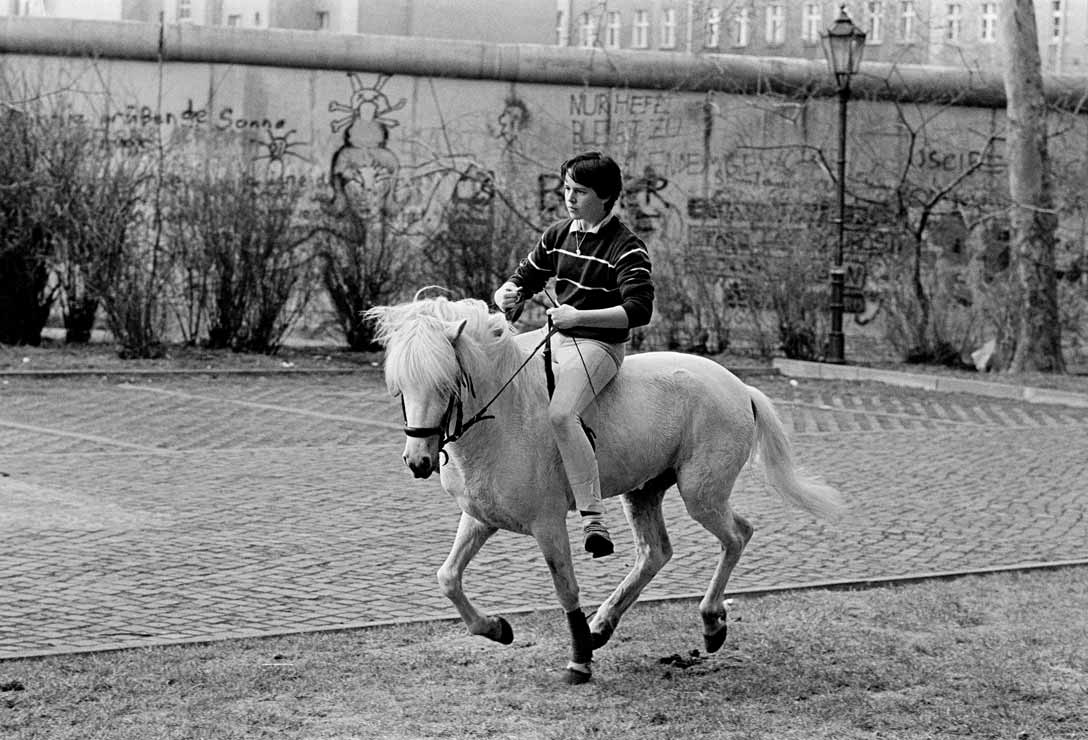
(595, 537)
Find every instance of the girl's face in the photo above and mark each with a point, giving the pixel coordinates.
(582, 202)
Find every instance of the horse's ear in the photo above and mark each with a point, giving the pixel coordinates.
(454, 330)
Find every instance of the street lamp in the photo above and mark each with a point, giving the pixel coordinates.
(843, 45)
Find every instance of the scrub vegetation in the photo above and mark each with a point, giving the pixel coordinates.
(995, 656)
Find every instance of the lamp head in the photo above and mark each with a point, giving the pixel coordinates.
(843, 45)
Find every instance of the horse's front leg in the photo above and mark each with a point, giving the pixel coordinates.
(471, 536)
(554, 543)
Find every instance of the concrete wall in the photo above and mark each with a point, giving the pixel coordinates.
(711, 173)
(701, 142)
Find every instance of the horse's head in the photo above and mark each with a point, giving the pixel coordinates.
(430, 404)
(424, 366)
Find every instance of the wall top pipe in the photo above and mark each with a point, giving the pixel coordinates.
(529, 63)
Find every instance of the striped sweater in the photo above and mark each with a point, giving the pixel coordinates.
(602, 269)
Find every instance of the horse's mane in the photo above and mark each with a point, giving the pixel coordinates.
(416, 336)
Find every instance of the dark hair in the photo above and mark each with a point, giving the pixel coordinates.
(598, 172)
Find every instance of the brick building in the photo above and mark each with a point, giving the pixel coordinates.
(899, 31)
(939, 32)
(497, 21)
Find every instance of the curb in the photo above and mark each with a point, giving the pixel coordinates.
(183, 372)
(741, 371)
(826, 371)
(779, 366)
(753, 592)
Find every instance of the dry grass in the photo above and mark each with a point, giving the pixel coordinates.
(1002, 656)
(57, 356)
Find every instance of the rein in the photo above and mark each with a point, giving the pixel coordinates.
(455, 410)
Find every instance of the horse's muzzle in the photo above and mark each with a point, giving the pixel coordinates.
(421, 456)
(423, 467)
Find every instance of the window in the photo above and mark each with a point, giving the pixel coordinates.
(953, 23)
(185, 10)
(874, 9)
(713, 37)
(668, 28)
(587, 31)
(1056, 17)
(612, 30)
(640, 35)
(776, 26)
(742, 27)
(905, 32)
(812, 24)
(234, 20)
(988, 32)
(322, 20)
(562, 33)
(30, 7)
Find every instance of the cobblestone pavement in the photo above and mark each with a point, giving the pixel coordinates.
(185, 508)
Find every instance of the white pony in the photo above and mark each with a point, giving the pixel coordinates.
(666, 419)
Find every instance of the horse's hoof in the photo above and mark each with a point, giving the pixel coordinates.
(573, 677)
(600, 639)
(714, 641)
(506, 632)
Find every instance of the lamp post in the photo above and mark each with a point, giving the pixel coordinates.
(843, 45)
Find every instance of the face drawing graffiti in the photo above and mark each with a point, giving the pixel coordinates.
(364, 171)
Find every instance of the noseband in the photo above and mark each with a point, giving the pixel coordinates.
(442, 430)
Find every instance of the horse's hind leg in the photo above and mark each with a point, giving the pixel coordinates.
(733, 531)
(471, 536)
(652, 551)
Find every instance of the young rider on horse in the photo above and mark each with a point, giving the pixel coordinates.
(604, 288)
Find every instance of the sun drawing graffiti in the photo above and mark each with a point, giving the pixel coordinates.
(277, 148)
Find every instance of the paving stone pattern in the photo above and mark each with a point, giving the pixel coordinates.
(188, 508)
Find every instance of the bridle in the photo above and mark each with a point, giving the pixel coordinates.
(455, 410)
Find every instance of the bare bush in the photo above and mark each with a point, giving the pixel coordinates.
(99, 191)
(753, 277)
(362, 265)
(26, 207)
(480, 239)
(136, 275)
(1073, 304)
(245, 264)
(946, 325)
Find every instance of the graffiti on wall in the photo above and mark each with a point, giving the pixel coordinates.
(620, 120)
(681, 187)
(363, 171)
(471, 203)
(512, 121)
(275, 149)
(131, 126)
(451, 193)
(644, 203)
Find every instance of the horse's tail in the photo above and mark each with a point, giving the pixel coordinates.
(774, 448)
